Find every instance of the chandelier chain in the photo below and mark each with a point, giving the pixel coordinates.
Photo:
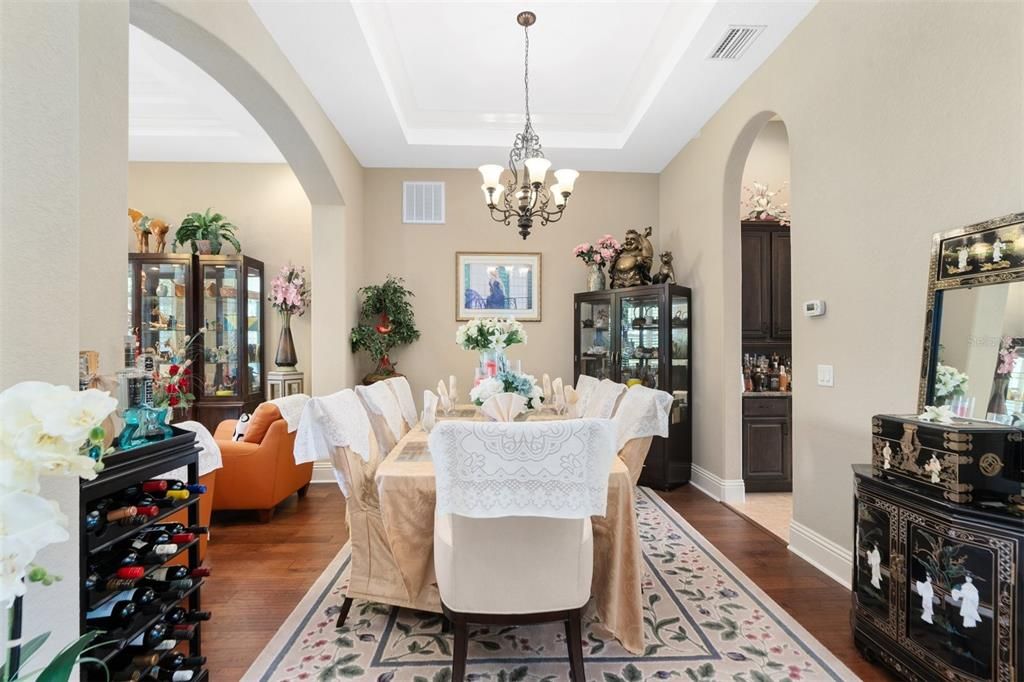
(526, 72)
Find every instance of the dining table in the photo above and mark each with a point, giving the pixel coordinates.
(407, 493)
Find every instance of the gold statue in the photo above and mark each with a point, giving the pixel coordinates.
(632, 267)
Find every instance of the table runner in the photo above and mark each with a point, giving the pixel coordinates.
(405, 481)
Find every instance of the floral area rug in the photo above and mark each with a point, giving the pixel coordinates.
(705, 620)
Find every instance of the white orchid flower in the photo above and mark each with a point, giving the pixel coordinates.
(28, 523)
(71, 415)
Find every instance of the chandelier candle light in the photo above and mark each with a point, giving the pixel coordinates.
(524, 197)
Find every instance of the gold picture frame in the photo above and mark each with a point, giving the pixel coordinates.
(498, 284)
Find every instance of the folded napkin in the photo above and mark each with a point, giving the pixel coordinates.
(429, 415)
(291, 407)
(503, 407)
(557, 395)
(453, 391)
(572, 401)
(545, 384)
(444, 396)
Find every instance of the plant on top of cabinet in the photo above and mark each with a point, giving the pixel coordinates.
(386, 320)
(206, 232)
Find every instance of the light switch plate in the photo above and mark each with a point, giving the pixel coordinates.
(825, 375)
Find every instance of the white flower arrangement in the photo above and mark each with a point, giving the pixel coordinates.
(490, 333)
(43, 429)
(949, 381)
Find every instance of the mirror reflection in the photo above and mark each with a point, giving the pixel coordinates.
(979, 371)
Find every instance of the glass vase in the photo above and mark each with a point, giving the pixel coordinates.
(492, 362)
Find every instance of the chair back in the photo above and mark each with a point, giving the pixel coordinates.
(508, 493)
(384, 413)
(603, 400)
(642, 413)
(399, 385)
(585, 387)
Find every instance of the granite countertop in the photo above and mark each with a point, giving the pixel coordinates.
(767, 394)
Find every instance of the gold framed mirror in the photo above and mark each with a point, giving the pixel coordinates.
(973, 351)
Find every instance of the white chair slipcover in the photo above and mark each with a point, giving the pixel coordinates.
(333, 422)
(642, 414)
(403, 394)
(209, 454)
(603, 400)
(384, 412)
(585, 387)
(291, 407)
(429, 415)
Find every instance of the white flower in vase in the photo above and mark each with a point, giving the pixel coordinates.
(485, 389)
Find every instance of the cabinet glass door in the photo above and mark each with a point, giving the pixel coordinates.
(679, 352)
(254, 332)
(221, 318)
(162, 307)
(594, 322)
(640, 342)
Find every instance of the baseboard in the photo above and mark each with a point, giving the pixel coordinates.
(829, 557)
(716, 487)
(323, 472)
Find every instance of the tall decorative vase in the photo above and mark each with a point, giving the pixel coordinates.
(492, 362)
(595, 278)
(285, 345)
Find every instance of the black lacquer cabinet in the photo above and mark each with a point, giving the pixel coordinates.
(937, 587)
(643, 335)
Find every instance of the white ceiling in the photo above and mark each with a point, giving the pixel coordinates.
(614, 85)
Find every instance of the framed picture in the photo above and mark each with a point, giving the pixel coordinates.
(497, 285)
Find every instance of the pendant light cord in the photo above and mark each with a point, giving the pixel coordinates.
(526, 72)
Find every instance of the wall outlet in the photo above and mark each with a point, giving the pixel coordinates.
(826, 376)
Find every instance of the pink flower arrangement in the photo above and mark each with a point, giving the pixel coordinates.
(602, 252)
(289, 291)
(1007, 356)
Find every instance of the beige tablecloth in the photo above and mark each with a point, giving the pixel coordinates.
(405, 481)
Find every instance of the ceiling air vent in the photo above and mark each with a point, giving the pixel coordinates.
(735, 42)
(423, 203)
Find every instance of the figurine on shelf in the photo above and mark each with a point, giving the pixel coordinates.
(679, 318)
(158, 228)
(632, 266)
(139, 223)
(665, 273)
(601, 319)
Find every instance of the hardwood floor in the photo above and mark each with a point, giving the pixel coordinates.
(260, 571)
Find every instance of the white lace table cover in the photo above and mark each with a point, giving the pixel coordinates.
(403, 394)
(209, 454)
(553, 469)
(291, 407)
(337, 420)
(585, 387)
(602, 401)
(381, 401)
(642, 412)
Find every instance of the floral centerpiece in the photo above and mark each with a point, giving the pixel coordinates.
(761, 204)
(289, 295)
(949, 382)
(174, 389)
(597, 255)
(508, 382)
(44, 430)
(490, 336)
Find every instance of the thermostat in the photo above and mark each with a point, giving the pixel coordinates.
(814, 308)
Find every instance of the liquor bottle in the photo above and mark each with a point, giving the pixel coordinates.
(112, 615)
(783, 379)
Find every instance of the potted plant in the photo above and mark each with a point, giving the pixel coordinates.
(386, 320)
(205, 232)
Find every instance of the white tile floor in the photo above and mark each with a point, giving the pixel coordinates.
(773, 511)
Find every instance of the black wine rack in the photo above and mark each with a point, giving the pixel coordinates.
(123, 469)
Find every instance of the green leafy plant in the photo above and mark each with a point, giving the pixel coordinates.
(386, 320)
(206, 227)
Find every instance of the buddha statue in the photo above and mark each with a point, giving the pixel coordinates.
(632, 267)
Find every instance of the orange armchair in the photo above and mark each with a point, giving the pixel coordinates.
(259, 471)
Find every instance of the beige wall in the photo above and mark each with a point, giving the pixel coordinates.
(768, 161)
(265, 201)
(425, 256)
(904, 119)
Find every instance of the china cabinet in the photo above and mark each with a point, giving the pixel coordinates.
(172, 295)
(642, 335)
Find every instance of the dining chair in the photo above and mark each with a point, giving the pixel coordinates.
(399, 385)
(508, 495)
(585, 387)
(602, 400)
(384, 413)
(338, 428)
(642, 413)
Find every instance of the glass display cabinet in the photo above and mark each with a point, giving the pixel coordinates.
(172, 295)
(641, 335)
(230, 304)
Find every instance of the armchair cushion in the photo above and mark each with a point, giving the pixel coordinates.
(265, 415)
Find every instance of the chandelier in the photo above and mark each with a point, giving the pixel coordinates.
(525, 198)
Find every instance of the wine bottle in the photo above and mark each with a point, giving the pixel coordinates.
(181, 675)
(105, 512)
(197, 616)
(136, 520)
(195, 488)
(175, 528)
(170, 573)
(158, 548)
(111, 615)
(175, 615)
(94, 582)
(154, 637)
(181, 631)
(146, 499)
(129, 675)
(161, 586)
(140, 596)
(156, 485)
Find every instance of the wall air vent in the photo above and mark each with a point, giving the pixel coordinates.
(735, 42)
(423, 203)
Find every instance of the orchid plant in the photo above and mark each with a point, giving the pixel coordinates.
(1007, 356)
(762, 204)
(508, 381)
(44, 430)
(490, 333)
(289, 291)
(600, 253)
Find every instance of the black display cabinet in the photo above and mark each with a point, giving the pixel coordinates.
(125, 469)
(643, 334)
